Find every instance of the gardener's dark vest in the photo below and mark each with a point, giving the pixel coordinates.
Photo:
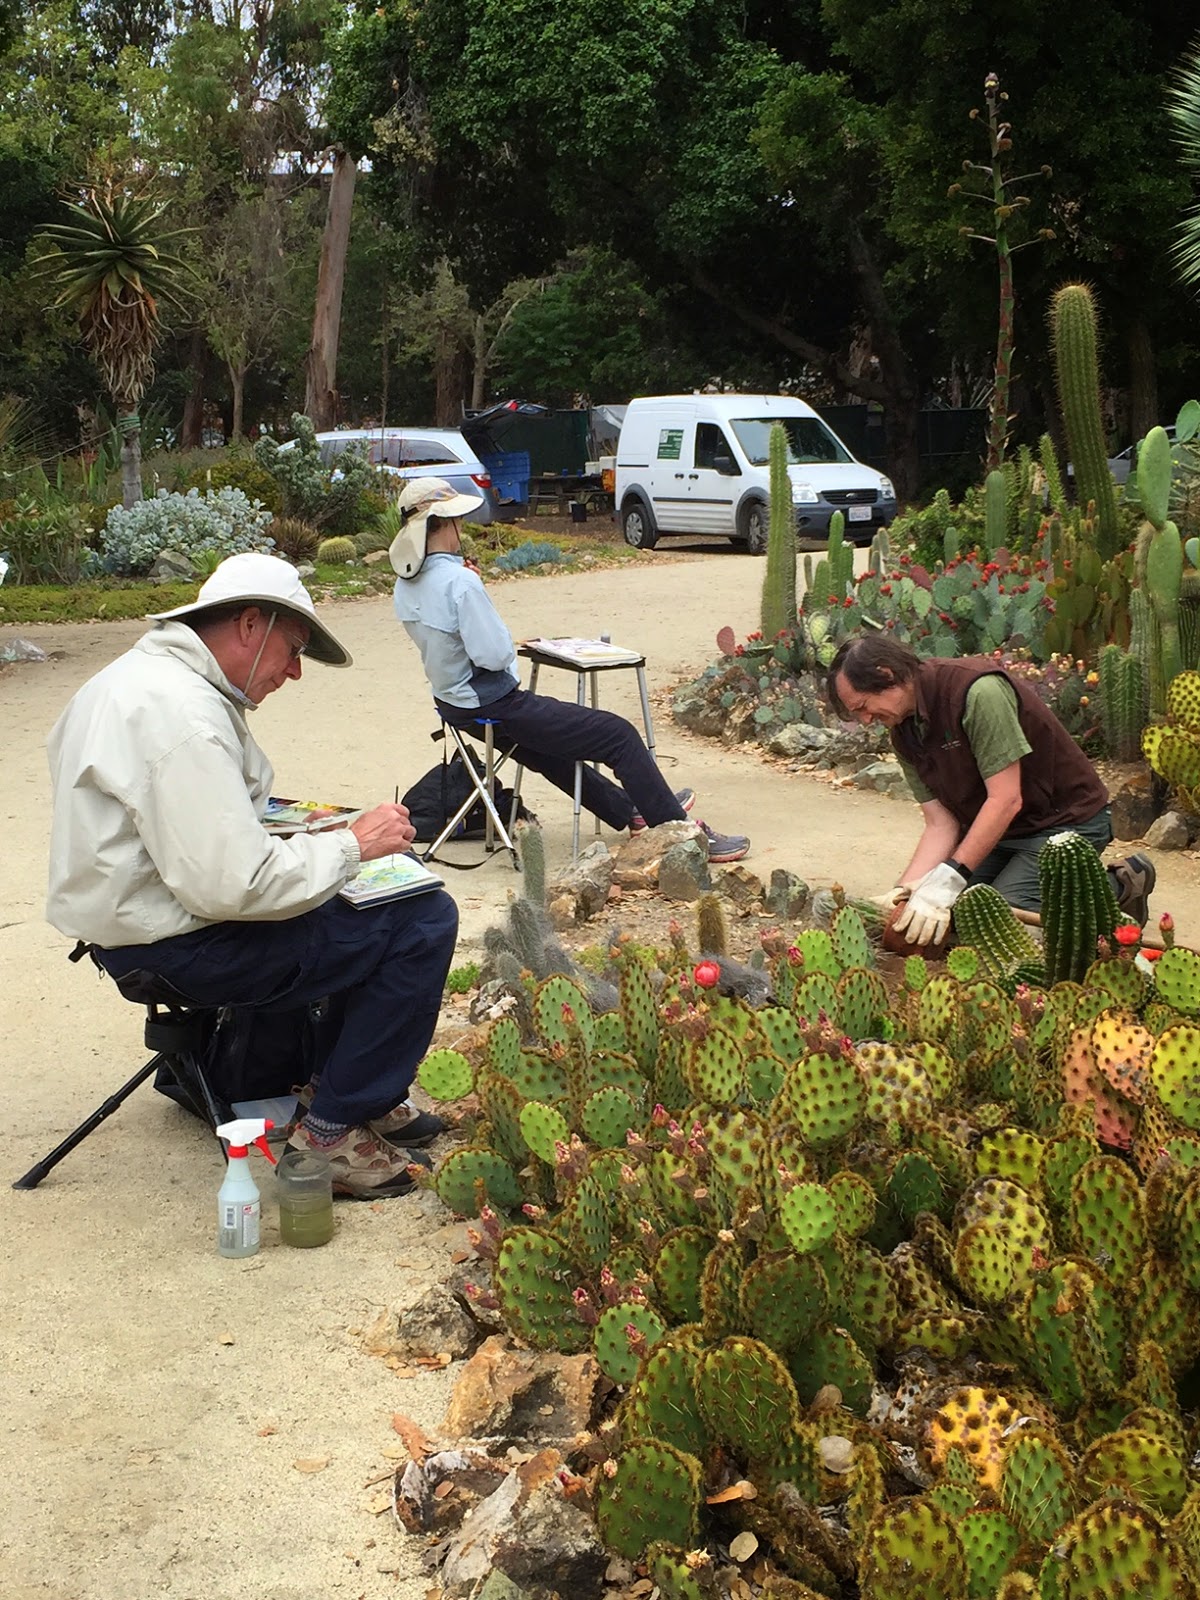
(1059, 785)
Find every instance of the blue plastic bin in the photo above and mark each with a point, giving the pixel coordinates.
(510, 474)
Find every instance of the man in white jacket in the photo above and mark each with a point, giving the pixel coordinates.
(159, 862)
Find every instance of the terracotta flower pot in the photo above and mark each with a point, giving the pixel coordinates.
(900, 945)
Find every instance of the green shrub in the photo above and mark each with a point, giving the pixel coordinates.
(44, 543)
(237, 469)
(463, 979)
(222, 520)
(309, 490)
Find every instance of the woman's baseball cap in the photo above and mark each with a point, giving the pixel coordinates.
(420, 499)
(258, 579)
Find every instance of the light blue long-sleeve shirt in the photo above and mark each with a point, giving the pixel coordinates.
(467, 652)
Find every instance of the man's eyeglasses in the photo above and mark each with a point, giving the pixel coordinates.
(296, 647)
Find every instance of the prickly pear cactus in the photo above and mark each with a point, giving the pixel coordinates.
(652, 1493)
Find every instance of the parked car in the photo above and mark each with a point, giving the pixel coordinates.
(1124, 462)
(697, 463)
(418, 453)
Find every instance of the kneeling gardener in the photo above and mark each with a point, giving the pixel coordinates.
(994, 772)
(160, 862)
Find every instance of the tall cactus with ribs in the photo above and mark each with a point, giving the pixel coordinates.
(779, 579)
(1073, 333)
(1005, 205)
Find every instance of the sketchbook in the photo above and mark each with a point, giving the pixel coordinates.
(305, 816)
(389, 878)
(585, 652)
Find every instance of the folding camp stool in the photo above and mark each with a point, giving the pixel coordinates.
(586, 686)
(482, 789)
(177, 1030)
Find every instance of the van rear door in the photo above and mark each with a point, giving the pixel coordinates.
(670, 460)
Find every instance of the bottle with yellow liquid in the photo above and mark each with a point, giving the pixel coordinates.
(305, 1191)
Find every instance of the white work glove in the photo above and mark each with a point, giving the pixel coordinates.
(886, 902)
(926, 917)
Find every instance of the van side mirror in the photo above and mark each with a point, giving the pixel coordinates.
(725, 466)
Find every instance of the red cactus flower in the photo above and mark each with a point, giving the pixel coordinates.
(1127, 934)
(1150, 953)
(707, 974)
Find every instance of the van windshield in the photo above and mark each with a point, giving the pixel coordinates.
(808, 440)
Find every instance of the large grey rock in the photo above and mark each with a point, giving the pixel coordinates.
(787, 894)
(854, 744)
(1168, 832)
(697, 706)
(172, 566)
(528, 1395)
(798, 739)
(740, 886)
(683, 871)
(436, 1324)
(885, 776)
(585, 883)
(1134, 807)
(738, 723)
(637, 861)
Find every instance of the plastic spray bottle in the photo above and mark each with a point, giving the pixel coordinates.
(238, 1204)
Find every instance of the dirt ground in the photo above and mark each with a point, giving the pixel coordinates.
(156, 1399)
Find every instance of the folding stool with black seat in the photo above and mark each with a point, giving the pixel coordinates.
(483, 786)
(181, 1034)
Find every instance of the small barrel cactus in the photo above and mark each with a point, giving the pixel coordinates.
(336, 552)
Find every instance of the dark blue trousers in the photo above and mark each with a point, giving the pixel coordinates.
(381, 968)
(549, 736)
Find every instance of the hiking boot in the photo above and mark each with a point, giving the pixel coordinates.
(724, 846)
(685, 797)
(1133, 879)
(362, 1166)
(408, 1126)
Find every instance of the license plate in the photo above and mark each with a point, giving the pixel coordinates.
(858, 513)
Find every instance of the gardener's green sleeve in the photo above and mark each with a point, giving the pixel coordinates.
(992, 726)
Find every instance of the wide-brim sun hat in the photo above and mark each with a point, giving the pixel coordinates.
(257, 579)
(420, 499)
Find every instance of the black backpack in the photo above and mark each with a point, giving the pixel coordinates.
(438, 793)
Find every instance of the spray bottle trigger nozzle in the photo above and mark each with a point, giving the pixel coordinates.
(262, 1144)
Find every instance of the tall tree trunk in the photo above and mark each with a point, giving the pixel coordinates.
(237, 384)
(480, 357)
(449, 368)
(191, 429)
(320, 390)
(1143, 380)
(901, 400)
(131, 454)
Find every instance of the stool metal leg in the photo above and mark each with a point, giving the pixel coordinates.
(641, 678)
(40, 1168)
(578, 805)
(489, 827)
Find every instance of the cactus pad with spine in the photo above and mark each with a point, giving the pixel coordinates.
(1147, 1465)
(1117, 1549)
(784, 1038)
(990, 1544)
(1010, 1207)
(610, 1338)
(784, 1297)
(607, 1117)
(831, 1355)
(855, 1201)
(808, 1213)
(912, 1549)
(611, 1034)
(537, 1076)
(1121, 1050)
(535, 1281)
(446, 1075)
(639, 1014)
(863, 1003)
(983, 1264)
(678, 1265)
(680, 1574)
(720, 1290)
(1175, 1071)
(851, 943)
(553, 994)
(869, 1309)
(764, 1076)
(1127, 985)
(462, 1170)
(1011, 1153)
(823, 1095)
(653, 1495)
(1105, 1215)
(976, 1421)
(1177, 980)
(815, 993)
(661, 1404)
(542, 1127)
(503, 1047)
(586, 1223)
(746, 1396)
(898, 1087)
(1037, 1482)
(817, 948)
(714, 1069)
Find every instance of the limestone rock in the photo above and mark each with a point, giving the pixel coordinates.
(1168, 832)
(884, 776)
(697, 706)
(172, 566)
(503, 1393)
(585, 882)
(636, 862)
(531, 1534)
(435, 1324)
(1134, 807)
(797, 739)
(740, 886)
(683, 871)
(738, 723)
(787, 895)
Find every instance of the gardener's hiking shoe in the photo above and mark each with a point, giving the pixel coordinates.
(403, 1125)
(724, 846)
(1133, 879)
(685, 797)
(362, 1166)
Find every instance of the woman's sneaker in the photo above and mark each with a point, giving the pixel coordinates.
(362, 1166)
(685, 797)
(724, 846)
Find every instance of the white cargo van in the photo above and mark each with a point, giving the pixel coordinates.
(697, 463)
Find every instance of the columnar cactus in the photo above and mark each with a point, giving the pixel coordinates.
(1123, 702)
(1078, 905)
(779, 578)
(1073, 333)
